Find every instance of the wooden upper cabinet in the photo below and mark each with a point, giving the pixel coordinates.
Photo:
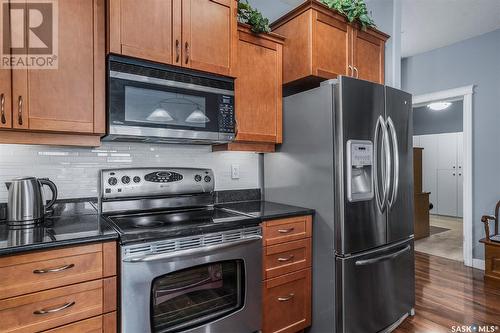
(143, 29)
(198, 34)
(69, 98)
(321, 44)
(258, 88)
(209, 34)
(368, 55)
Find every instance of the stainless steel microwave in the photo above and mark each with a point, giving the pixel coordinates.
(149, 102)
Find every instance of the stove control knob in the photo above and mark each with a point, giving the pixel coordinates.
(112, 181)
(137, 179)
(197, 178)
(208, 179)
(125, 179)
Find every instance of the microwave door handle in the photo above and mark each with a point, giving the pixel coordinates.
(190, 252)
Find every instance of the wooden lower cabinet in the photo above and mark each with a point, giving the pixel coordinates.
(60, 290)
(287, 275)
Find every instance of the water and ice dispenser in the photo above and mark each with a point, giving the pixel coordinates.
(359, 170)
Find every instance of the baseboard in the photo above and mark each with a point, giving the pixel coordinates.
(478, 263)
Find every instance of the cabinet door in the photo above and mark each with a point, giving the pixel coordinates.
(368, 56)
(144, 29)
(429, 168)
(447, 192)
(447, 151)
(5, 90)
(331, 46)
(62, 99)
(258, 89)
(209, 35)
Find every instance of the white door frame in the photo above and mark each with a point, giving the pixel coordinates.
(464, 93)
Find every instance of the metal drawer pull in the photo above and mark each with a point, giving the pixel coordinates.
(286, 298)
(186, 46)
(287, 259)
(56, 309)
(285, 231)
(53, 270)
(177, 50)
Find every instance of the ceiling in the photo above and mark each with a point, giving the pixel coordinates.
(426, 24)
(431, 24)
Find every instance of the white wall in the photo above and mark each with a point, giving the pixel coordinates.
(75, 170)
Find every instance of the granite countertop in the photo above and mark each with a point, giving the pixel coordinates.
(266, 210)
(71, 222)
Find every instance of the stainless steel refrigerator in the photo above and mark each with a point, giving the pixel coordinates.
(347, 153)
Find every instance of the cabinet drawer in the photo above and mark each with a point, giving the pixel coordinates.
(287, 303)
(36, 271)
(101, 324)
(285, 230)
(51, 308)
(287, 257)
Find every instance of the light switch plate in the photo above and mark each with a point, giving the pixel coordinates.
(235, 171)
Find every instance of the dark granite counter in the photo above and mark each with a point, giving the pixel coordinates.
(266, 210)
(71, 222)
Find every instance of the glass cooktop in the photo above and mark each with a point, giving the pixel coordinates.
(178, 223)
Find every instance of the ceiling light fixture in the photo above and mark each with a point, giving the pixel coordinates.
(439, 106)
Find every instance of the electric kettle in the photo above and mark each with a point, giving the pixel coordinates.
(25, 200)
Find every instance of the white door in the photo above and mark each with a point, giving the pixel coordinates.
(447, 151)
(429, 168)
(460, 194)
(460, 150)
(447, 192)
(416, 141)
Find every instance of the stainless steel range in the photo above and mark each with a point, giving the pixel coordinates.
(186, 266)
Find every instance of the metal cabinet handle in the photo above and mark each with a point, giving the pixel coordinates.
(459, 174)
(53, 270)
(56, 309)
(2, 108)
(290, 257)
(453, 174)
(356, 70)
(286, 298)
(352, 71)
(285, 231)
(20, 110)
(186, 46)
(177, 50)
(236, 128)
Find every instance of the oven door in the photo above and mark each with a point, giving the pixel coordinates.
(164, 105)
(213, 288)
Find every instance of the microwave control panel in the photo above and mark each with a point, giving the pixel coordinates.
(226, 114)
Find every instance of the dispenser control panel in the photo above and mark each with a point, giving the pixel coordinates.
(359, 155)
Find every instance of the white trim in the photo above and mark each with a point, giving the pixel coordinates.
(465, 93)
(478, 263)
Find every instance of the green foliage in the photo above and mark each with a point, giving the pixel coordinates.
(249, 15)
(353, 10)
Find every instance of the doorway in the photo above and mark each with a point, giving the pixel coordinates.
(442, 146)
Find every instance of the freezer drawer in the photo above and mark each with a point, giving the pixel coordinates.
(377, 288)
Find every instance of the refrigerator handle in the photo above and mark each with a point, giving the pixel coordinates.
(381, 200)
(382, 258)
(395, 149)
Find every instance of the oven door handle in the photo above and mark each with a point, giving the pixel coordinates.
(190, 252)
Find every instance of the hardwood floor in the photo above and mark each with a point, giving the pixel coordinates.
(449, 294)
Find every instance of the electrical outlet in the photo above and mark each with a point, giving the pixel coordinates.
(235, 171)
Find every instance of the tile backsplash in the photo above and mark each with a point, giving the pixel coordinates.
(75, 170)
